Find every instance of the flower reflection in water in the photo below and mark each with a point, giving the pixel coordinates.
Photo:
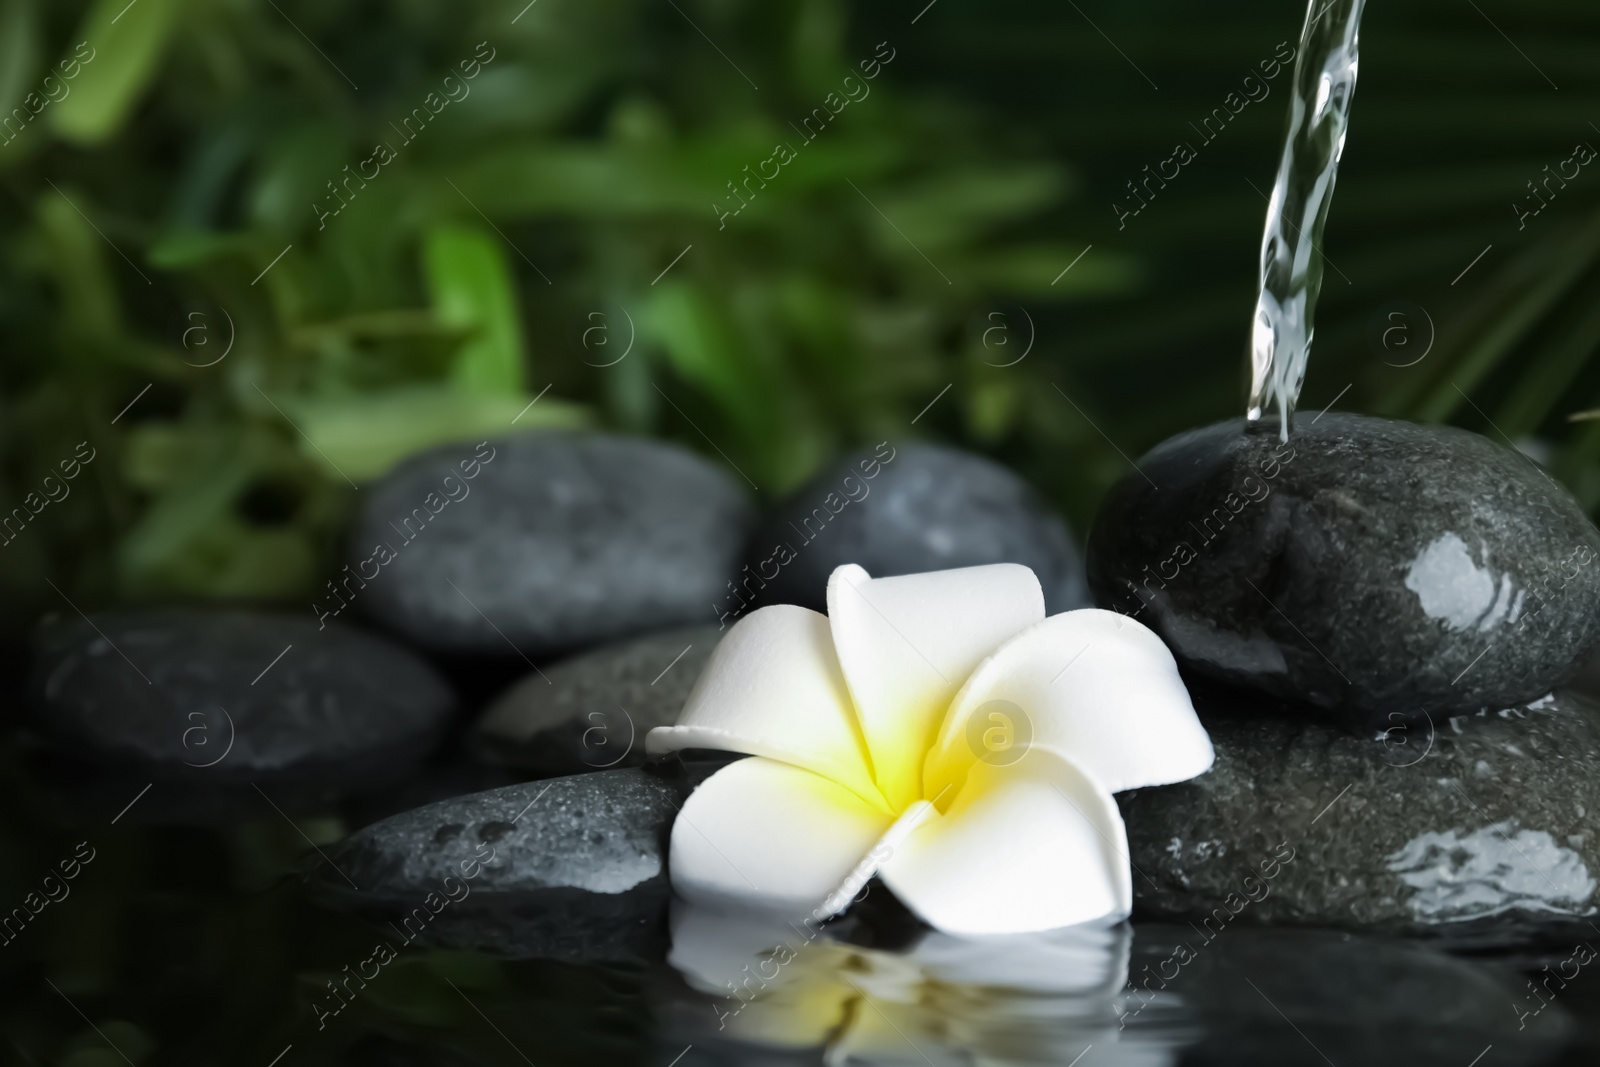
(941, 999)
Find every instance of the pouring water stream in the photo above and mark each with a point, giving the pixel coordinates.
(1291, 267)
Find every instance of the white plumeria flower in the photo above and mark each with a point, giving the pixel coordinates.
(863, 725)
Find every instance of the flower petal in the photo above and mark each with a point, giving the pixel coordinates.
(1091, 685)
(765, 834)
(906, 645)
(773, 688)
(1033, 845)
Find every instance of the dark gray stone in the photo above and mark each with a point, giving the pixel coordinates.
(593, 711)
(1477, 828)
(221, 695)
(1368, 566)
(559, 541)
(902, 509)
(570, 868)
(1587, 680)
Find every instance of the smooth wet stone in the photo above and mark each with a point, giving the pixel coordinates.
(1477, 828)
(1367, 566)
(1587, 680)
(593, 711)
(557, 541)
(905, 508)
(225, 696)
(570, 868)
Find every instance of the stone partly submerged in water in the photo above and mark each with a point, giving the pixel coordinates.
(592, 711)
(906, 508)
(571, 868)
(230, 696)
(545, 543)
(1367, 566)
(1477, 828)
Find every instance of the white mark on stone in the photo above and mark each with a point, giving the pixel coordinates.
(1490, 871)
(1455, 590)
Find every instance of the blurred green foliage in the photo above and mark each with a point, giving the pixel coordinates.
(210, 181)
(516, 240)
